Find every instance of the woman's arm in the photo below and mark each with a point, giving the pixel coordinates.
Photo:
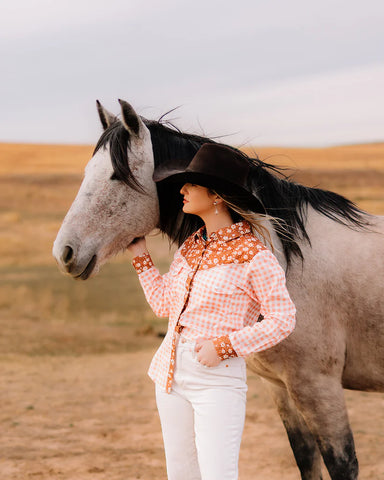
(266, 285)
(155, 286)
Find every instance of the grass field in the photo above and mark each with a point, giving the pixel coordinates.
(57, 335)
(37, 186)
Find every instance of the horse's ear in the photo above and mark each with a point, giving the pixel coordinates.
(129, 117)
(106, 117)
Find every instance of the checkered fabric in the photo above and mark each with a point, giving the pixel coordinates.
(218, 289)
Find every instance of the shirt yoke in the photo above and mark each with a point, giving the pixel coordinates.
(204, 255)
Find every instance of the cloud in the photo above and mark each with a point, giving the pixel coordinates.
(337, 107)
(276, 72)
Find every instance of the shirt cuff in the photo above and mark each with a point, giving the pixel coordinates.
(142, 263)
(224, 347)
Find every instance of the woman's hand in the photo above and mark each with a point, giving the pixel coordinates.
(206, 353)
(138, 247)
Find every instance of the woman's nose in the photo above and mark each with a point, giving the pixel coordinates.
(183, 190)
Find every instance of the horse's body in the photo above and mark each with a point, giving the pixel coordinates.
(334, 276)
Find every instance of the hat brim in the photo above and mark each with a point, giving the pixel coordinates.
(209, 181)
(165, 173)
(179, 178)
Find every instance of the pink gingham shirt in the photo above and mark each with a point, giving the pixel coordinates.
(229, 288)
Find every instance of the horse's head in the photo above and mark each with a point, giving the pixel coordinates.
(117, 200)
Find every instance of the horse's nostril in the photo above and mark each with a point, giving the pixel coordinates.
(67, 254)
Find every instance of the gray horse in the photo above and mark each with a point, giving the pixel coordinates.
(333, 254)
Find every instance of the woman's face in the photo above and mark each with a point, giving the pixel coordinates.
(197, 199)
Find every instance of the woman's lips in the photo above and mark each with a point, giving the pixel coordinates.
(185, 201)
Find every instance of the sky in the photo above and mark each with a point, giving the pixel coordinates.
(252, 72)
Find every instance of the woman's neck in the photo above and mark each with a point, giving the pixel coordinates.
(216, 222)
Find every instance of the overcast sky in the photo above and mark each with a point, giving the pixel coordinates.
(268, 72)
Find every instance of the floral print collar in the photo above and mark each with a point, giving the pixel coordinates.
(225, 234)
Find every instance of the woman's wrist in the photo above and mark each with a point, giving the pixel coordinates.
(138, 252)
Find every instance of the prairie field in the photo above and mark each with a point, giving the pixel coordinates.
(76, 401)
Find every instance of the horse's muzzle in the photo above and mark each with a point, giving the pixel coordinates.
(88, 269)
(70, 263)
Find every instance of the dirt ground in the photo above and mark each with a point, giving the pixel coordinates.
(76, 403)
(94, 417)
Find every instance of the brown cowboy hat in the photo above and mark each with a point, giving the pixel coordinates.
(217, 167)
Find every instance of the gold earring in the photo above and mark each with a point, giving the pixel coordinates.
(216, 210)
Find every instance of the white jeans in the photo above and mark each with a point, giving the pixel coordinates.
(202, 419)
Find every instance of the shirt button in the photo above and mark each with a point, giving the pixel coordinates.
(183, 340)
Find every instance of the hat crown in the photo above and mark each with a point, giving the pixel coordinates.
(220, 162)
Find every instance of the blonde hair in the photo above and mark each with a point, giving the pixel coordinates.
(252, 218)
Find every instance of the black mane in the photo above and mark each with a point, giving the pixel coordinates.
(284, 200)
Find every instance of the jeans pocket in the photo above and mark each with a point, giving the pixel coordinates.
(234, 367)
(231, 367)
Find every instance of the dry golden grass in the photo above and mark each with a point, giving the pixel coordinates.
(39, 182)
(43, 159)
(348, 157)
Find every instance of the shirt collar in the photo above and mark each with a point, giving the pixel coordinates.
(227, 233)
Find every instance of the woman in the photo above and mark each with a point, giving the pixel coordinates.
(226, 298)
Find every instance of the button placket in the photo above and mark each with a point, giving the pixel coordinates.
(191, 276)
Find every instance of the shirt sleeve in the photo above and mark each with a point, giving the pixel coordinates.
(265, 283)
(155, 286)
